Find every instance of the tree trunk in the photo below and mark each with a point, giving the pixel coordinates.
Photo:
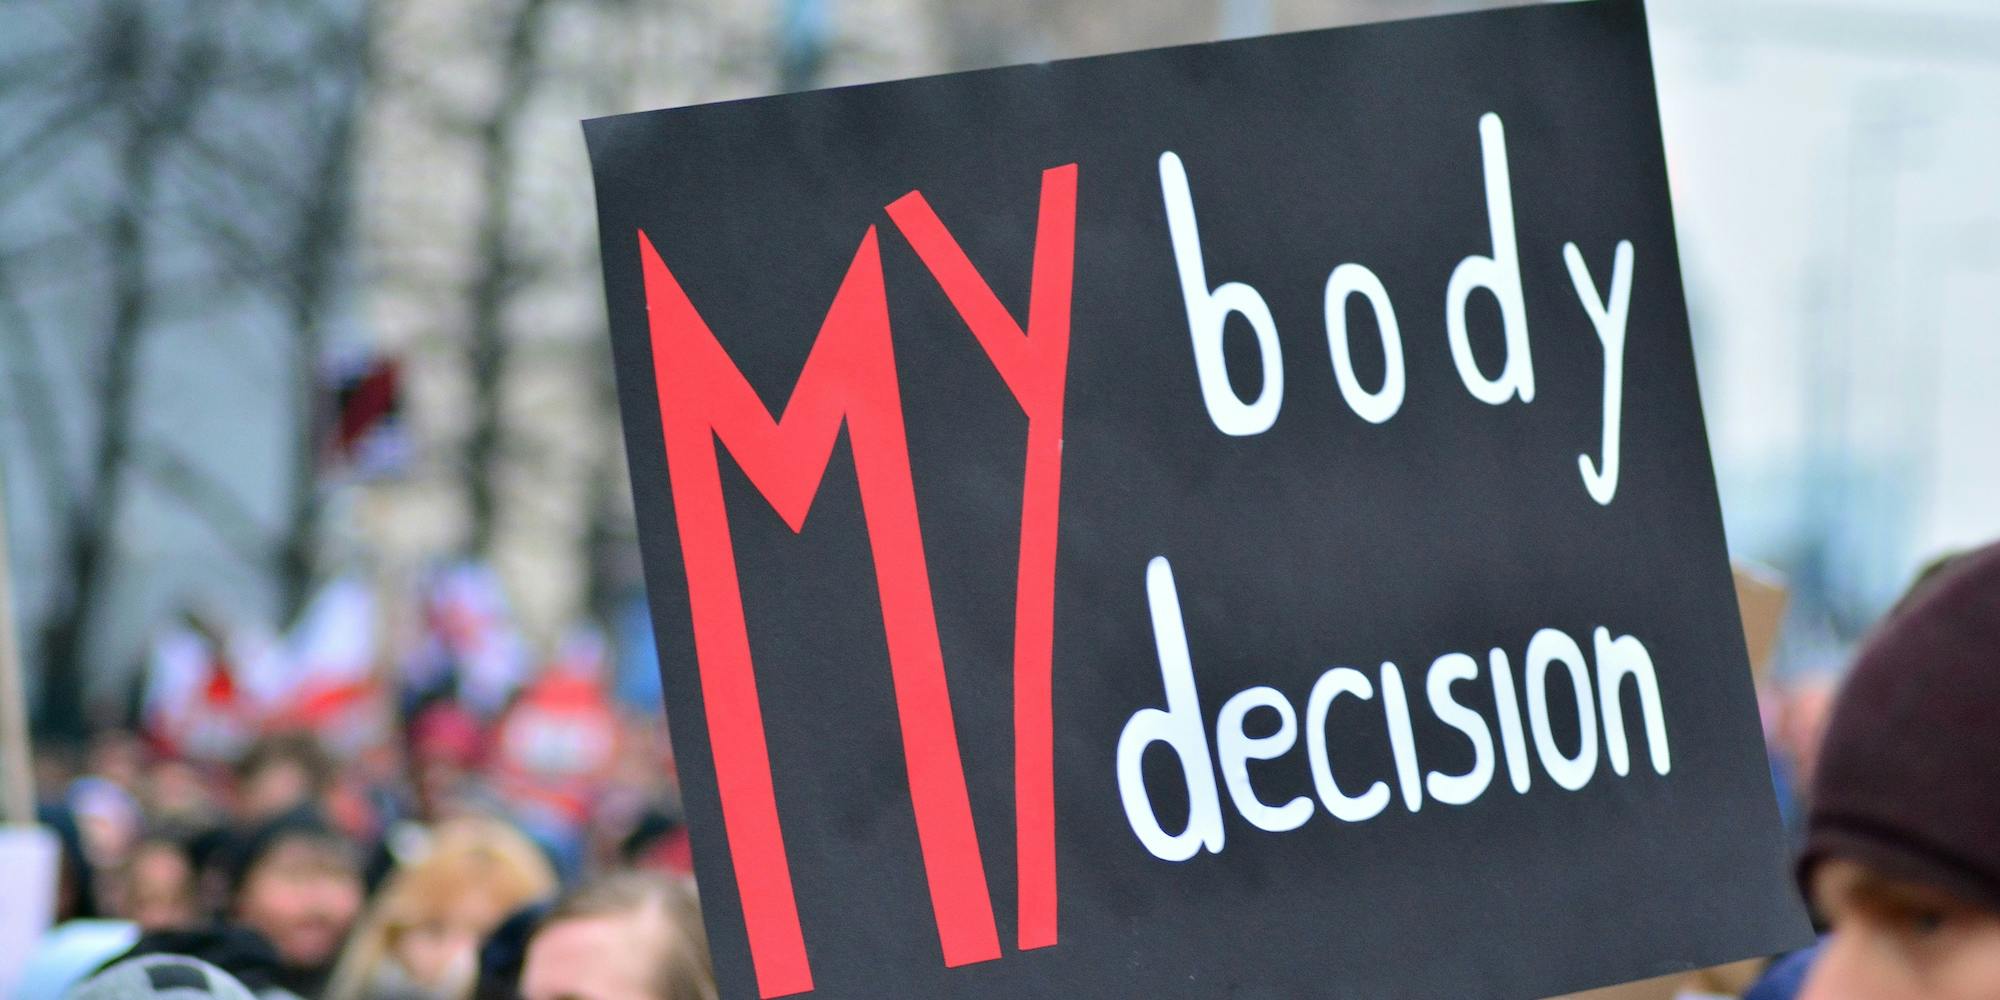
(94, 517)
(315, 262)
(487, 343)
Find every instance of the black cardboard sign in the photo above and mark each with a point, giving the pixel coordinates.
(1224, 521)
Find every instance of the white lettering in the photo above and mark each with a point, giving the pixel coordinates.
(1402, 739)
(1207, 312)
(1179, 727)
(1235, 749)
(1552, 645)
(1459, 789)
(1332, 684)
(1499, 274)
(1510, 719)
(1618, 659)
(1609, 321)
(1374, 407)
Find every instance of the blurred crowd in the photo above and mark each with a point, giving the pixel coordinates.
(387, 801)
(400, 803)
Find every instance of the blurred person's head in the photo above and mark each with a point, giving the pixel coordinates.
(56, 762)
(213, 850)
(447, 743)
(1903, 840)
(503, 953)
(631, 936)
(76, 880)
(1804, 706)
(658, 842)
(424, 931)
(108, 818)
(117, 756)
(157, 890)
(297, 881)
(176, 791)
(280, 773)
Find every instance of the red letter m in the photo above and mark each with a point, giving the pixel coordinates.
(850, 376)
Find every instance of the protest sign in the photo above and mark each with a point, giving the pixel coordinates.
(31, 857)
(27, 852)
(1761, 597)
(1223, 521)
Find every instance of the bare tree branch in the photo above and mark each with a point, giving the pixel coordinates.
(27, 372)
(41, 144)
(37, 69)
(154, 110)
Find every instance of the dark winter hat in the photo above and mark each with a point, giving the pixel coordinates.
(1907, 781)
(161, 977)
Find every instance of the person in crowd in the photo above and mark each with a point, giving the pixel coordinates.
(504, 951)
(162, 977)
(447, 750)
(1902, 854)
(629, 936)
(117, 755)
(213, 851)
(296, 881)
(156, 889)
(658, 841)
(76, 879)
(421, 938)
(1800, 726)
(241, 953)
(80, 938)
(108, 818)
(175, 793)
(244, 852)
(279, 774)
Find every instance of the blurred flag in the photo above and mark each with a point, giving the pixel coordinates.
(367, 436)
(559, 740)
(208, 688)
(470, 646)
(332, 688)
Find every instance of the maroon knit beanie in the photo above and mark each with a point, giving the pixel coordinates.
(1909, 775)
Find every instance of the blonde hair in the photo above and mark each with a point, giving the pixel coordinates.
(456, 856)
(682, 968)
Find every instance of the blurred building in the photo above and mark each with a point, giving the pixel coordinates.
(479, 233)
(1838, 234)
(1832, 169)
(479, 236)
